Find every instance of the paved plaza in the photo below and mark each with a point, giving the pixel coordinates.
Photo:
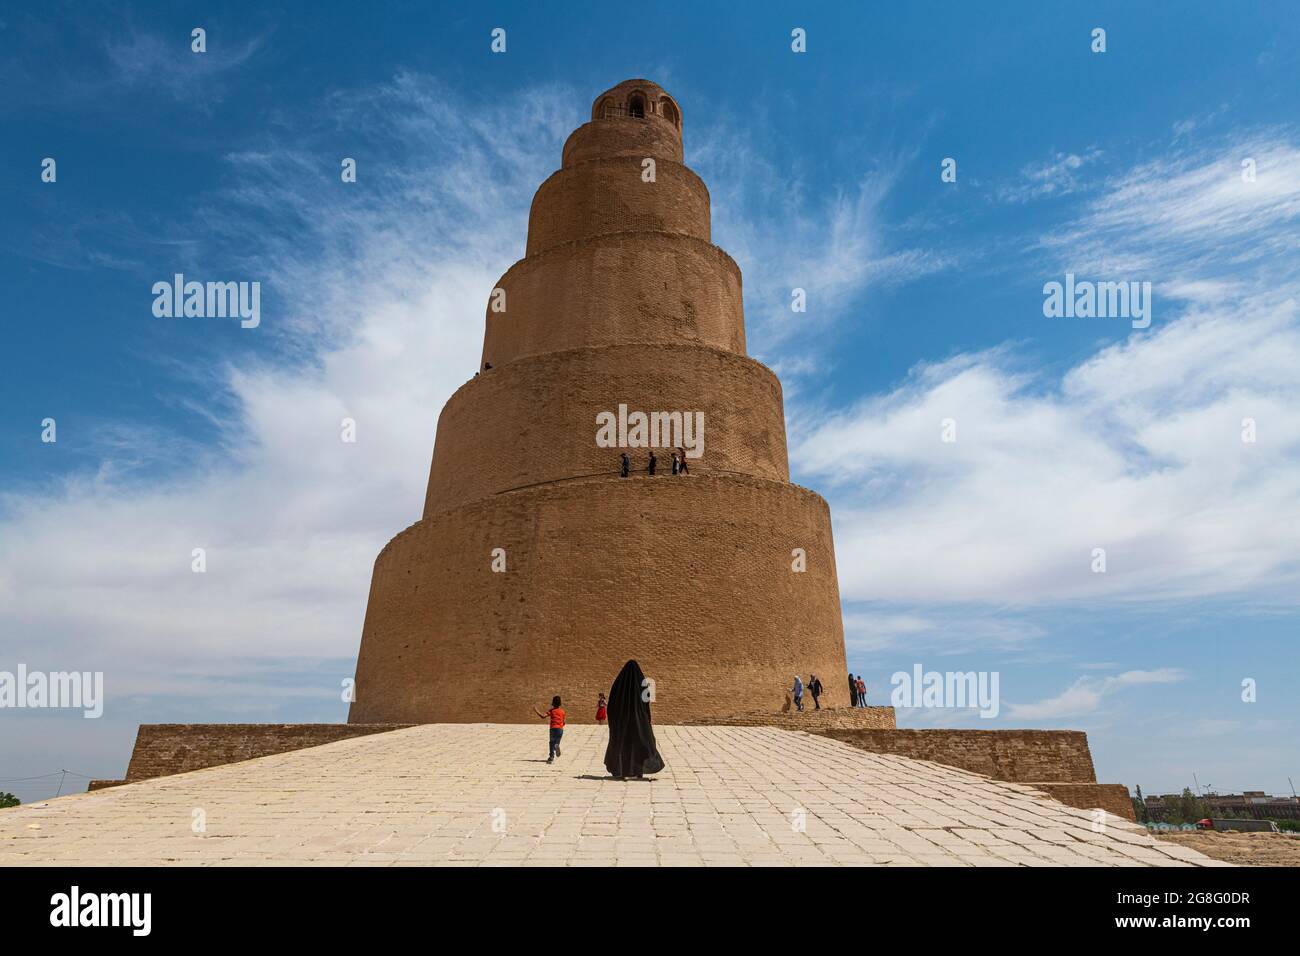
(475, 794)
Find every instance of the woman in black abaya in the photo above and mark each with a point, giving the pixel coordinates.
(631, 751)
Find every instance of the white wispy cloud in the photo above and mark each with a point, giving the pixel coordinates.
(1085, 695)
(1057, 176)
(935, 630)
(142, 59)
(374, 303)
(1193, 217)
(836, 246)
(1136, 449)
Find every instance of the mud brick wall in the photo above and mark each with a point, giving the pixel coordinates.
(690, 576)
(1018, 756)
(616, 289)
(491, 437)
(1111, 797)
(607, 195)
(165, 749)
(813, 721)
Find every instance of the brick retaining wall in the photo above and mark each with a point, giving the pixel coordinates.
(164, 749)
(1018, 756)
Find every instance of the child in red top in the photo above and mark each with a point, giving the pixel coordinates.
(556, 716)
(600, 710)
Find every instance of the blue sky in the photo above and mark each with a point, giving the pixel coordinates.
(925, 303)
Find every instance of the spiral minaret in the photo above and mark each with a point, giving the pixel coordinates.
(536, 569)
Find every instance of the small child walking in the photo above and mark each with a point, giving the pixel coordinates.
(600, 710)
(556, 716)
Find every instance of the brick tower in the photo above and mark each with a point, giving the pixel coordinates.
(620, 300)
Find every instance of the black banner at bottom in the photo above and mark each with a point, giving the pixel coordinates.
(333, 905)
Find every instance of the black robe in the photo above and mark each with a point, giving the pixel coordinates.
(631, 751)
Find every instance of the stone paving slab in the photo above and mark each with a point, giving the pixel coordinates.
(482, 794)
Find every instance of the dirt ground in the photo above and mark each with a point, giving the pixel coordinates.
(1244, 849)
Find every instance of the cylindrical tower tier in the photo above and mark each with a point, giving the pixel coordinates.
(622, 136)
(535, 420)
(617, 289)
(609, 195)
(692, 577)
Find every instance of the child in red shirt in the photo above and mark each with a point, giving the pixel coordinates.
(556, 716)
(600, 710)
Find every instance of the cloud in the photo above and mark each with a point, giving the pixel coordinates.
(1193, 217)
(373, 310)
(1137, 448)
(139, 59)
(108, 60)
(935, 630)
(1085, 695)
(1058, 176)
(835, 247)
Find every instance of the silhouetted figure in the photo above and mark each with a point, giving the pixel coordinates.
(682, 469)
(815, 688)
(853, 692)
(626, 465)
(631, 751)
(653, 462)
(677, 464)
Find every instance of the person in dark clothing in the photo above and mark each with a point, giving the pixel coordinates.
(681, 468)
(853, 692)
(677, 465)
(815, 688)
(631, 751)
(626, 465)
(653, 462)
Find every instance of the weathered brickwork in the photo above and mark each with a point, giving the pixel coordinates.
(1019, 756)
(622, 137)
(163, 749)
(811, 720)
(621, 299)
(609, 195)
(1057, 762)
(534, 420)
(614, 131)
(1111, 797)
(617, 289)
(691, 576)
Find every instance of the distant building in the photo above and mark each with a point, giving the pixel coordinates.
(1255, 804)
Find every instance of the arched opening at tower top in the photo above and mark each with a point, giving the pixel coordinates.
(669, 111)
(636, 106)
